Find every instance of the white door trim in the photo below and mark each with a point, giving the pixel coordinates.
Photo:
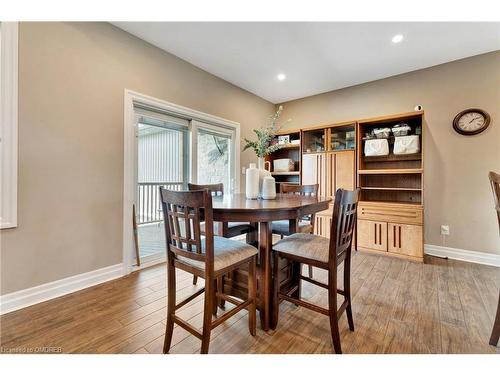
(129, 152)
(9, 124)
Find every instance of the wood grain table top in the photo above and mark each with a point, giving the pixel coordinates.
(283, 207)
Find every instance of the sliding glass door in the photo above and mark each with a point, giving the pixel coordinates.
(162, 160)
(170, 152)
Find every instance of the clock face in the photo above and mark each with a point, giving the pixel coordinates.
(471, 121)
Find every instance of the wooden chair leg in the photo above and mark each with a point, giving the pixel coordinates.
(220, 288)
(215, 299)
(332, 306)
(310, 271)
(170, 308)
(296, 272)
(495, 333)
(276, 289)
(334, 327)
(252, 294)
(207, 315)
(347, 292)
(195, 279)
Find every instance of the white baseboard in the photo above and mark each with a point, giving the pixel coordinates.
(153, 261)
(27, 297)
(465, 255)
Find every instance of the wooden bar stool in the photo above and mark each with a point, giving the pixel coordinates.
(303, 225)
(495, 186)
(209, 258)
(227, 230)
(328, 254)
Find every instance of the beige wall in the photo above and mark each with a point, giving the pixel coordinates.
(457, 191)
(72, 78)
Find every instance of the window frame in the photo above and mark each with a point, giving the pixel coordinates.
(9, 124)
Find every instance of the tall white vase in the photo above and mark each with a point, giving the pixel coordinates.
(262, 174)
(252, 182)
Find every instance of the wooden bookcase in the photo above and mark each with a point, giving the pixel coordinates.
(289, 151)
(329, 159)
(391, 207)
(390, 214)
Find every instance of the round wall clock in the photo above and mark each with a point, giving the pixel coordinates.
(471, 121)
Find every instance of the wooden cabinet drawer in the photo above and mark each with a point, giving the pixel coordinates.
(372, 235)
(391, 212)
(405, 239)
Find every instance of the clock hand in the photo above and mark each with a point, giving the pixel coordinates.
(474, 119)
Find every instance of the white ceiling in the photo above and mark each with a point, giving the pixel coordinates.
(316, 57)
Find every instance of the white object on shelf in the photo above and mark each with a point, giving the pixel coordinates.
(409, 144)
(401, 130)
(382, 132)
(283, 139)
(376, 147)
(252, 182)
(283, 165)
(269, 188)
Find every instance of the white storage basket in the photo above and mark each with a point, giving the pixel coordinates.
(283, 165)
(376, 147)
(382, 132)
(401, 130)
(409, 144)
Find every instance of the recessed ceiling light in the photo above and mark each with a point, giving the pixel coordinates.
(281, 77)
(397, 38)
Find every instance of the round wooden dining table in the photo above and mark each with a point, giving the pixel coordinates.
(236, 208)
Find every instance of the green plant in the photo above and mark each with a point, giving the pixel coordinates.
(262, 146)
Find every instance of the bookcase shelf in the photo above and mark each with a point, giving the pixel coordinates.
(287, 151)
(291, 173)
(392, 157)
(390, 188)
(390, 211)
(390, 171)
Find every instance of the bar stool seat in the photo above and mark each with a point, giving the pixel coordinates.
(304, 245)
(226, 253)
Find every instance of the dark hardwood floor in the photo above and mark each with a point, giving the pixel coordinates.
(399, 307)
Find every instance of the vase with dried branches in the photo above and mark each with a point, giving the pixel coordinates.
(263, 146)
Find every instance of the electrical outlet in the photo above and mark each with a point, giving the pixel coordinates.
(243, 170)
(445, 230)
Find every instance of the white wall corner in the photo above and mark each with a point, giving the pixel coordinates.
(464, 255)
(31, 296)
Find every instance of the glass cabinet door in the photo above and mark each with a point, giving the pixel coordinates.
(314, 140)
(341, 138)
